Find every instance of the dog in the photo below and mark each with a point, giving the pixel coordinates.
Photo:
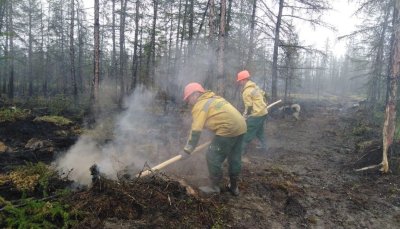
(291, 110)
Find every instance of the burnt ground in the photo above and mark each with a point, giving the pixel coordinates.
(306, 179)
(28, 140)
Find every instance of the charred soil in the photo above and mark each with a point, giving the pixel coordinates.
(305, 179)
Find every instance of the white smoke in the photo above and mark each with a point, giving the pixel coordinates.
(132, 128)
(134, 143)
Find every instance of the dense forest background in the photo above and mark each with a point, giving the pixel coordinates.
(72, 53)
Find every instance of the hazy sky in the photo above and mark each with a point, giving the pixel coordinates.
(342, 18)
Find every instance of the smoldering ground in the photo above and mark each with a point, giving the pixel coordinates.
(142, 137)
(144, 134)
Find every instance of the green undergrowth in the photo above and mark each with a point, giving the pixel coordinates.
(40, 206)
(31, 213)
(13, 114)
(57, 120)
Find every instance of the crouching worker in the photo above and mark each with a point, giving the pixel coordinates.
(255, 110)
(216, 114)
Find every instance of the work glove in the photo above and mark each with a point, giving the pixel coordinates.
(184, 155)
(188, 149)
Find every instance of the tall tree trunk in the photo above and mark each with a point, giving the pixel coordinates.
(200, 27)
(240, 58)
(183, 34)
(191, 27)
(3, 10)
(169, 70)
(80, 49)
(150, 65)
(389, 68)
(30, 52)
(251, 42)
(377, 66)
(11, 51)
(6, 49)
(96, 76)
(389, 124)
(122, 49)
(114, 51)
(274, 82)
(47, 71)
(42, 53)
(135, 47)
(221, 50)
(177, 48)
(140, 57)
(228, 18)
(72, 52)
(212, 21)
(211, 43)
(63, 68)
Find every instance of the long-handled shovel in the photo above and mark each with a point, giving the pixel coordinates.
(170, 161)
(177, 158)
(273, 104)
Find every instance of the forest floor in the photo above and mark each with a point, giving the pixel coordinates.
(305, 179)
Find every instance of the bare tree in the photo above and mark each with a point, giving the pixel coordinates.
(72, 52)
(274, 89)
(389, 124)
(96, 76)
(150, 62)
(11, 50)
(308, 8)
(135, 58)
(114, 50)
(251, 42)
(122, 49)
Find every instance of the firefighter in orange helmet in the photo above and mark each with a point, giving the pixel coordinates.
(218, 115)
(255, 109)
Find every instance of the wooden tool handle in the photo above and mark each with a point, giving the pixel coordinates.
(170, 161)
(274, 103)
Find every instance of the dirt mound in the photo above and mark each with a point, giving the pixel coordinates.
(148, 202)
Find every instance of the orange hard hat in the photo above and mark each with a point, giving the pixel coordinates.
(190, 88)
(243, 75)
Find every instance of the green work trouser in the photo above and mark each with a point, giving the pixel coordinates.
(222, 148)
(255, 128)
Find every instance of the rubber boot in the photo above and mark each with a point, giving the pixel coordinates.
(213, 188)
(233, 186)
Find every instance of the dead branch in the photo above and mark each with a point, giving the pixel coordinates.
(369, 167)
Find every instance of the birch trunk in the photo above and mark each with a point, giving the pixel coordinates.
(390, 113)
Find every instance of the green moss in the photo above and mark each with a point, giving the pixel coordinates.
(38, 214)
(13, 114)
(33, 177)
(57, 120)
(30, 212)
(361, 130)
